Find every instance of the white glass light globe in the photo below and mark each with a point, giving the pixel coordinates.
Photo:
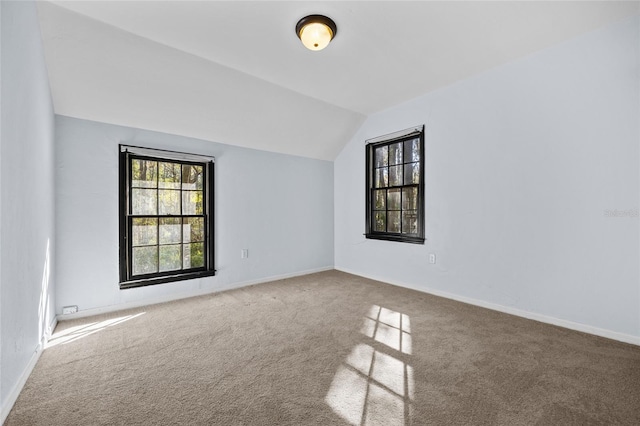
(316, 36)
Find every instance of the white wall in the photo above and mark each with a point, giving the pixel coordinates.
(521, 163)
(27, 202)
(1, 394)
(277, 206)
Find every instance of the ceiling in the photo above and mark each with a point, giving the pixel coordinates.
(235, 72)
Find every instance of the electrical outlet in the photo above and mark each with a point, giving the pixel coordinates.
(69, 310)
(244, 253)
(432, 258)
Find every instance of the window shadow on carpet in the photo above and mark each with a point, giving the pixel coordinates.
(375, 384)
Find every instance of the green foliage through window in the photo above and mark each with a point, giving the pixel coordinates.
(166, 217)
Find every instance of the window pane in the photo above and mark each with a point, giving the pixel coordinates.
(170, 230)
(382, 177)
(191, 177)
(169, 201)
(144, 201)
(193, 229)
(382, 155)
(395, 153)
(192, 202)
(409, 198)
(143, 173)
(395, 176)
(166, 232)
(412, 151)
(379, 222)
(170, 258)
(410, 222)
(393, 199)
(144, 231)
(169, 175)
(393, 222)
(380, 198)
(411, 173)
(395, 182)
(145, 260)
(193, 255)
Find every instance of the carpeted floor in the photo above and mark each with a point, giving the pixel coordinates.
(327, 349)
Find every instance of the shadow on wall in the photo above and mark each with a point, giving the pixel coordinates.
(376, 385)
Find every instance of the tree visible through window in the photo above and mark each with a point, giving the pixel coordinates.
(166, 218)
(395, 187)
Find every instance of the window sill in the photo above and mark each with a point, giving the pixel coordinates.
(396, 237)
(165, 279)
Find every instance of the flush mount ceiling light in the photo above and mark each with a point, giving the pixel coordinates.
(316, 31)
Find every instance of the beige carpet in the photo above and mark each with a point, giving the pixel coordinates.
(327, 349)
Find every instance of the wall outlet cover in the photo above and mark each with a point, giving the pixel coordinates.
(69, 310)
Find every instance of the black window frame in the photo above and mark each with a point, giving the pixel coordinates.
(126, 154)
(370, 168)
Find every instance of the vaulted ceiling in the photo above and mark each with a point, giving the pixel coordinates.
(235, 72)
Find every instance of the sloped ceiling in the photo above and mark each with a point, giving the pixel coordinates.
(235, 72)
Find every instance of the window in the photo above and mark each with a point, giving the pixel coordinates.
(395, 187)
(166, 216)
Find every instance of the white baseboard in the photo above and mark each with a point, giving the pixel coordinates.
(12, 397)
(621, 337)
(185, 295)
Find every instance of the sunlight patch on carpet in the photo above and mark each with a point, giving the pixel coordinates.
(72, 334)
(389, 328)
(374, 386)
